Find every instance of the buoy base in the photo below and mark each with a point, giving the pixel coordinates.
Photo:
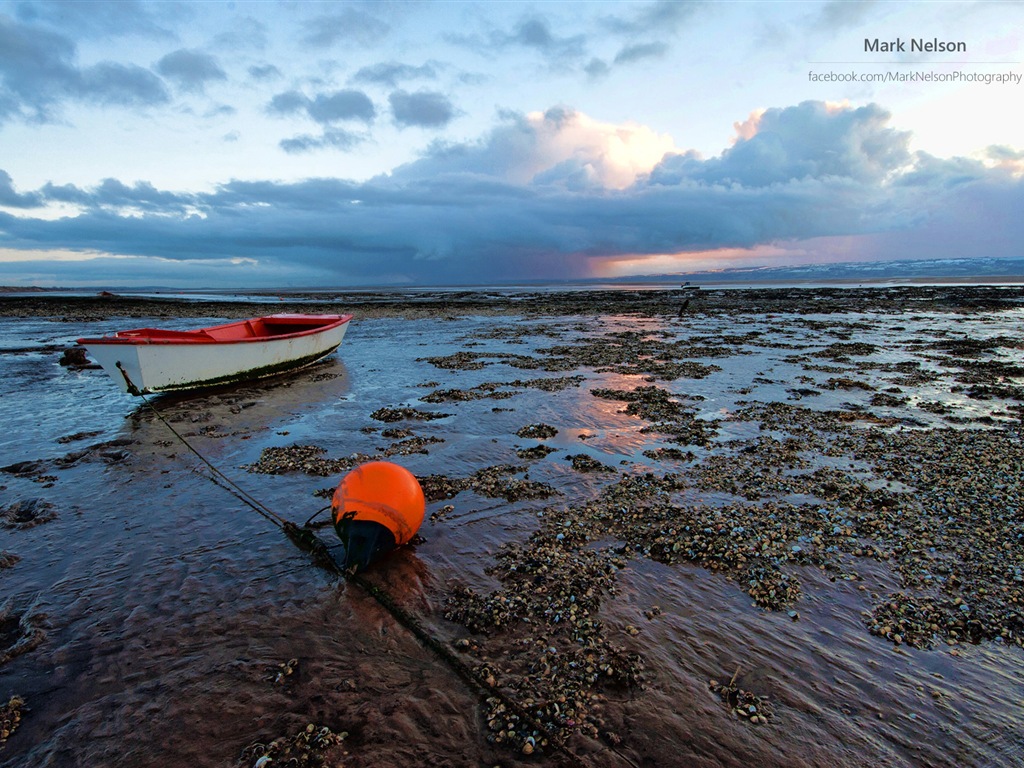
(365, 542)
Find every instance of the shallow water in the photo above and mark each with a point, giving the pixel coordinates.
(168, 606)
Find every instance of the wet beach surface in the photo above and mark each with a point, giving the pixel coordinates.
(775, 527)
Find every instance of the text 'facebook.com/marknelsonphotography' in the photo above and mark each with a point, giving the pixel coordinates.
(917, 76)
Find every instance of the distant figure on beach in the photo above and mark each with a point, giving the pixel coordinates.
(687, 287)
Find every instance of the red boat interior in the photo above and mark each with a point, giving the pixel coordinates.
(273, 326)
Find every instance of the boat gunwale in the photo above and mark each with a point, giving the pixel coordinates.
(200, 336)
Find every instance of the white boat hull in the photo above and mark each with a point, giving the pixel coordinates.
(166, 367)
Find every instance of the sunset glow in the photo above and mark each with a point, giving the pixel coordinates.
(441, 143)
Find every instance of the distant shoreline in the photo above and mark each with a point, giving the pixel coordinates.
(651, 282)
(450, 303)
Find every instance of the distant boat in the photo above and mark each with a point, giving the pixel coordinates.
(151, 360)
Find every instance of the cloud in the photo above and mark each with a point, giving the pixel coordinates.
(390, 73)
(811, 140)
(190, 69)
(425, 109)
(648, 30)
(246, 33)
(553, 194)
(325, 108)
(351, 25)
(837, 15)
(332, 138)
(639, 51)
(288, 103)
(12, 199)
(597, 68)
(264, 72)
(118, 84)
(220, 110)
(97, 19)
(659, 18)
(38, 75)
(557, 148)
(114, 195)
(533, 33)
(1006, 158)
(105, 271)
(341, 105)
(933, 172)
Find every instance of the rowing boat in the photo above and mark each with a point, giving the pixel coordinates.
(150, 360)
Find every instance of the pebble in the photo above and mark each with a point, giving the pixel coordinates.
(314, 745)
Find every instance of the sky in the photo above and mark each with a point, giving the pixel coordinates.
(288, 145)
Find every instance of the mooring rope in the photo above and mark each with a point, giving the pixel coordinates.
(307, 540)
(230, 485)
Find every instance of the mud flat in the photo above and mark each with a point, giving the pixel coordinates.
(775, 527)
(448, 303)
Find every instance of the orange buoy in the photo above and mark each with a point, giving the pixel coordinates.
(376, 507)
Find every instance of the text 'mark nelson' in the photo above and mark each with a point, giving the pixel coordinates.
(917, 45)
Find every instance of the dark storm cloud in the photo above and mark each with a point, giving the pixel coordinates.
(465, 212)
(391, 73)
(191, 70)
(350, 25)
(38, 75)
(424, 109)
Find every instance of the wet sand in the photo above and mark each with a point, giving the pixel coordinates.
(772, 527)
